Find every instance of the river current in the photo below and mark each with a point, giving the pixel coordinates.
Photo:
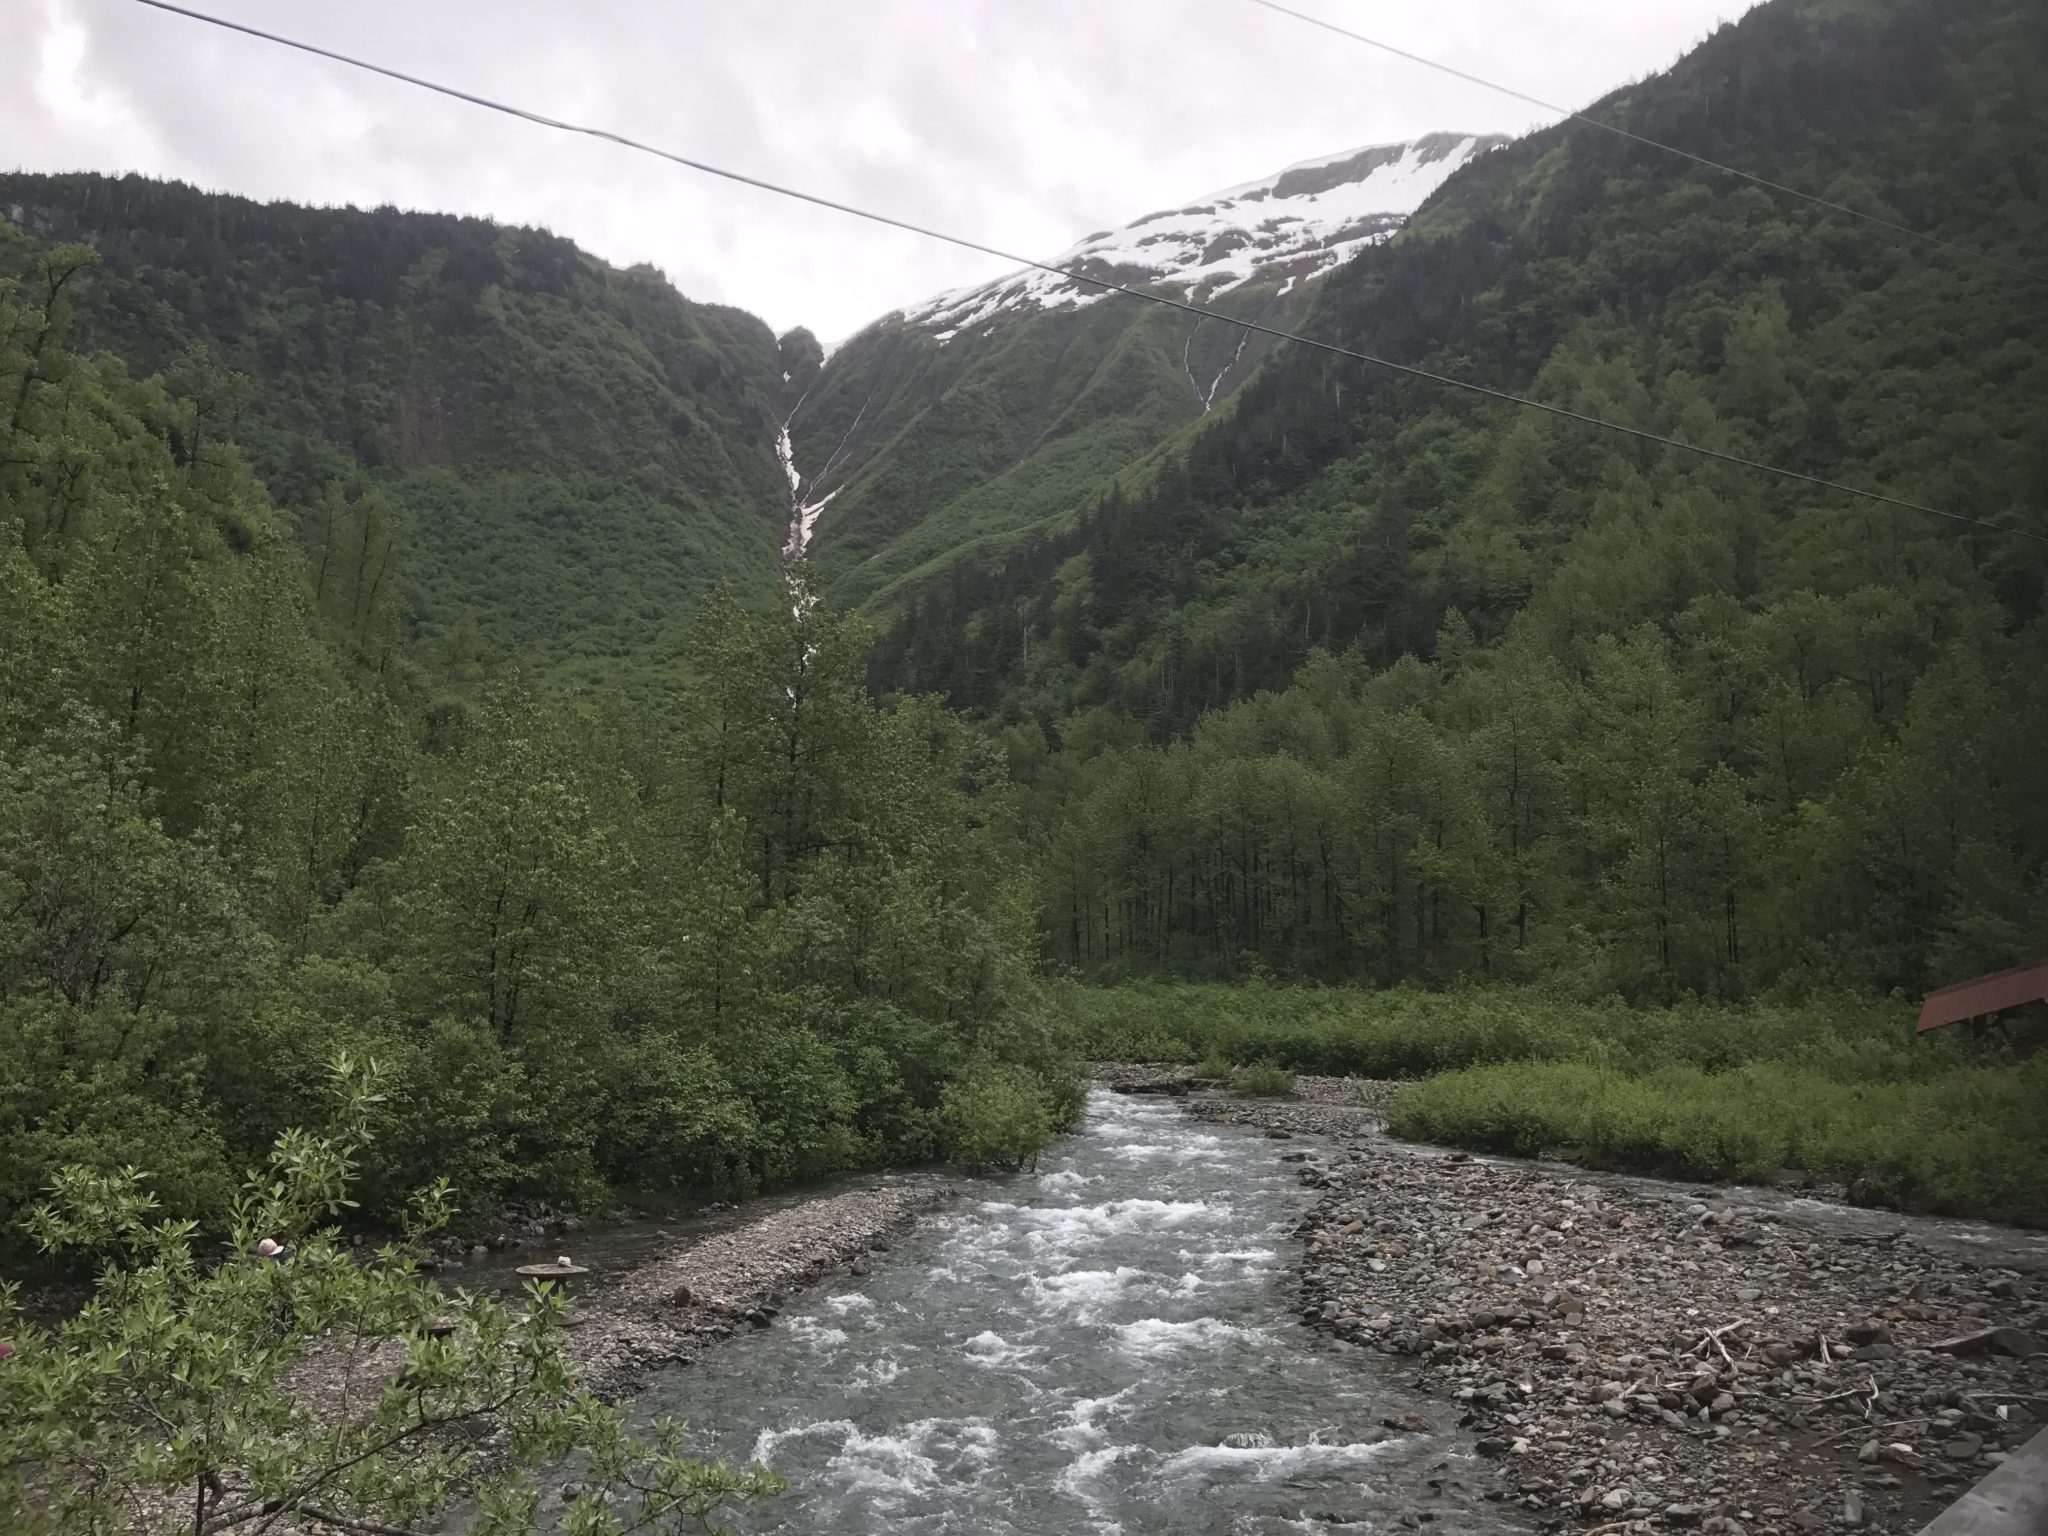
(1104, 1345)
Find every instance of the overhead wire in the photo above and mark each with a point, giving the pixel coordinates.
(1972, 252)
(964, 243)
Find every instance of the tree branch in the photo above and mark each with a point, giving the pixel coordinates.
(294, 1502)
(347, 1523)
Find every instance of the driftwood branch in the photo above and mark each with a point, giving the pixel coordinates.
(350, 1523)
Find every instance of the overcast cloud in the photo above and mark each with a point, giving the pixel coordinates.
(1023, 125)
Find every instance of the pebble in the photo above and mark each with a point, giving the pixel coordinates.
(1748, 1373)
(668, 1310)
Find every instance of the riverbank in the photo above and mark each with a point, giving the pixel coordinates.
(1837, 1090)
(1661, 1359)
(1105, 1343)
(668, 1310)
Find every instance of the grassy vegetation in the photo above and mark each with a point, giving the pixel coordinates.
(1838, 1087)
(1263, 1081)
(1966, 1141)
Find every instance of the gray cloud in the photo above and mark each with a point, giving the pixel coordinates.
(1025, 126)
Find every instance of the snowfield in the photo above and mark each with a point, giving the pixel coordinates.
(1296, 225)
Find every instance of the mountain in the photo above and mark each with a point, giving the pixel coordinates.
(1367, 676)
(1329, 504)
(480, 402)
(965, 421)
(1292, 227)
(560, 457)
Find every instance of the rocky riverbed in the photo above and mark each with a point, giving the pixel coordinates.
(1639, 1362)
(667, 1310)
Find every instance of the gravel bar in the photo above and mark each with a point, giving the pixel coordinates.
(667, 1311)
(1642, 1363)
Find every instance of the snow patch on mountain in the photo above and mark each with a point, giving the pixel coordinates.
(1296, 225)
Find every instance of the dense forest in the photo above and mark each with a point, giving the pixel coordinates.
(423, 785)
(393, 655)
(549, 456)
(752, 929)
(1372, 680)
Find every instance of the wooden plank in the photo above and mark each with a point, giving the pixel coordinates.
(1987, 994)
(2012, 1501)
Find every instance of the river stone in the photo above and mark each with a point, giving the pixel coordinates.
(1994, 1341)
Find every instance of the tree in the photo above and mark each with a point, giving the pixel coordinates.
(253, 1394)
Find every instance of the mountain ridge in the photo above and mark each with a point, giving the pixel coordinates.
(1002, 408)
(569, 454)
(1227, 238)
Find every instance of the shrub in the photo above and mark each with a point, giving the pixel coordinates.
(175, 1388)
(1264, 1081)
(1837, 1086)
(995, 1116)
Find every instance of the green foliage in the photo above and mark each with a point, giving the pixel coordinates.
(1967, 1141)
(194, 1395)
(1262, 1080)
(1408, 1032)
(1370, 680)
(995, 1116)
(1810, 793)
(1839, 1086)
(742, 932)
(481, 429)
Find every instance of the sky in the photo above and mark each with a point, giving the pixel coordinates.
(1022, 125)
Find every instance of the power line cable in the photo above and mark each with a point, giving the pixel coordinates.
(1636, 138)
(1136, 293)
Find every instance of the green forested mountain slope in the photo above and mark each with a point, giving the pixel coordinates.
(1334, 503)
(747, 928)
(567, 454)
(983, 417)
(1574, 703)
(932, 451)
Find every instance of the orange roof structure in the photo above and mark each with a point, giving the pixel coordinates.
(1987, 994)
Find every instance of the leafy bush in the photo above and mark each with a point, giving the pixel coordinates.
(1264, 1081)
(995, 1116)
(1150, 1045)
(181, 1386)
(739, 935)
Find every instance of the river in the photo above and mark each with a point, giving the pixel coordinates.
(1104, 1345)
